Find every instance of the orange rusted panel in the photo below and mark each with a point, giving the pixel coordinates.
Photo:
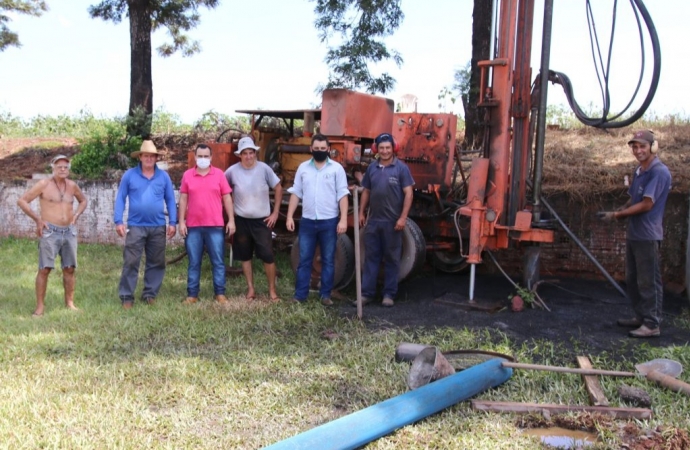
(349, 113)
(523, 221)
(427, 145)
(535, 235)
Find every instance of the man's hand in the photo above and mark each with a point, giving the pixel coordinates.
(400, 224)
(182, 229)
(230, 227)
(121, 230)
(362, 218)
(271, 220)
(342, 226)
(606, 216)
(290, 224)
(171, 231)
(40, 225)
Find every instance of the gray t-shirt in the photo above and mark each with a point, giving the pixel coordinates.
(250, 189)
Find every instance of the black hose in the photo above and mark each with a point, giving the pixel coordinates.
(609, 122)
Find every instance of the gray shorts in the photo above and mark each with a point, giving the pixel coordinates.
(57, 241)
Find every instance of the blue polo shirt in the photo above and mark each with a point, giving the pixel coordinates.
(655, 183)
(146, 198)
(386, 184)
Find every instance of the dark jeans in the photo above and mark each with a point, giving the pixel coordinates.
(213, 238)
(643, 280)
(325, 234)
(382, 243)
(150, 240)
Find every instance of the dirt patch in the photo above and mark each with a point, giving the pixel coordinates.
(20, 158)
(582, 320)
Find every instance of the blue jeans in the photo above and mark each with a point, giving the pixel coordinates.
(382, 243)
(213, 238)
(313, 232)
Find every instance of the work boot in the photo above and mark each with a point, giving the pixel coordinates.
(387, 301)
(629, 323)
(221, 299)
(645, 332)
(127, 304)
(365, 301)
(190, 301)
(150, 300)
(326, 301)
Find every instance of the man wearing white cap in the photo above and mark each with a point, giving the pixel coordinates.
(149, 189)
(648, 192)
(251, 181)
(55, 226)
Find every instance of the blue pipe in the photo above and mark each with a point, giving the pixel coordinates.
(359, 428)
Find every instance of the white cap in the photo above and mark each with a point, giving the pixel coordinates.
(245, 143)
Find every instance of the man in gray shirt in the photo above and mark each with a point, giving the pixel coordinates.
(251, 181)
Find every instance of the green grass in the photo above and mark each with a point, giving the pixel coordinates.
(170, 376)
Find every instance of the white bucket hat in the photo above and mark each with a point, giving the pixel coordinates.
(245, 143)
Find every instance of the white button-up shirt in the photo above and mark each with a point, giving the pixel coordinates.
(320, 189)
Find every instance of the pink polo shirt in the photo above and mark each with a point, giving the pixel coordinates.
(204, 197)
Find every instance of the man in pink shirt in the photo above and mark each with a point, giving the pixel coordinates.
(203, 195)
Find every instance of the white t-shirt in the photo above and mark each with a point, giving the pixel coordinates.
(251, 188)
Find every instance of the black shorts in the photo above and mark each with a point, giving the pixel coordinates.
(252, 236)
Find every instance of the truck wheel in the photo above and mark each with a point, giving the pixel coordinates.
(413, 250)
(344, 262)
(448, 262)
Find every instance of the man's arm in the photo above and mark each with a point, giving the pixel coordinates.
(81, 198)
(24, 204)
(638, 208)
(181, 215)
(277, 200)
(229, 210)
(292, 207)
(342, 223)
(407, 204)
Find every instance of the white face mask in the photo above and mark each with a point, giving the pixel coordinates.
(203, 163)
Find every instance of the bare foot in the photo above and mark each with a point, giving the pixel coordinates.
(274, 297)
(37, 313)
(71, 306)
(250, 295)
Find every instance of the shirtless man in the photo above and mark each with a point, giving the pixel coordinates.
(55, 227)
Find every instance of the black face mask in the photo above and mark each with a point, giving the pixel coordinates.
(319, 156)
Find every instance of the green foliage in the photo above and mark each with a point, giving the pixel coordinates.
(78, 126)
(524, 293)
(30, 7)
(164, 122)
(138, 123)
(212, 121)
(176, 16)
(103, 150)
(359, 26)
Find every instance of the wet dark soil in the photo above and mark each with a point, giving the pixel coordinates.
(581, 320)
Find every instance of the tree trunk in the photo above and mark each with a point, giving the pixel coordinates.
(481, 39)
(141, 83)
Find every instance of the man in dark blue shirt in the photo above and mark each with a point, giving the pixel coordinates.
(648, 192)
(387, 187)
(148, 189)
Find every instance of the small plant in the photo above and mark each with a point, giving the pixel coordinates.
(103, 150)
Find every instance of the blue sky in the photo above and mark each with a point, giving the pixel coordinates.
(266, 54)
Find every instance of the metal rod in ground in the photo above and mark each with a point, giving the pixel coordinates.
(583, 248)
(472, 274)
(358, 262)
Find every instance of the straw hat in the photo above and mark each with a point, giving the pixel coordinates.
(147, 147)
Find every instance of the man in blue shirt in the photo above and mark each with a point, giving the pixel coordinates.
(648, 192)
(148, 189)
(388, 188)
(321, 184)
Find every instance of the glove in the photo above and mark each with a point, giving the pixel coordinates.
(606, 216)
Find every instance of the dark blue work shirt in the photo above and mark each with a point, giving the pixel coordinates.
(386, 184)
(655, 183)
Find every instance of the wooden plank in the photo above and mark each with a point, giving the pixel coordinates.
(596, 393)
(524, 408)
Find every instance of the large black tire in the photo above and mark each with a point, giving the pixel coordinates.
(448, 262)
(413, 250)
(344, 262)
